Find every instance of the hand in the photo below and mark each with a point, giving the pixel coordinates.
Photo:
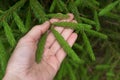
(22, 65)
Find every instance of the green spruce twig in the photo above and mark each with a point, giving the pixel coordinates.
(108, 8)
(38, 10)
(88, 46)
(40, 49)
(66, 47)
(9, 34)
(19, 22)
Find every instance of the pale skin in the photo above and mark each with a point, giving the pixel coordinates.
(22, 64)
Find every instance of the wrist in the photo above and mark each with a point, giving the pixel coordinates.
(11, 77)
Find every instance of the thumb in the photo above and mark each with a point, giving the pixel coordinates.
(35, 33)
(24, 53)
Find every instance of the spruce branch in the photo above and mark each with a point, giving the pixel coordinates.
(96, 34)
(66, 47)
(58, 16)
(40, 49)
(3, 58)
(73, 9)
(78, 2)
(38, 10)
(102, 66)
(9, 34)
(89, 21)
(77, 46)
(19, 22)
(53, 5)
(7, 14)
(92, 4)
(113, 16)
(62, 6)
(88, 46)
(28, 19)
(97, 20)
(62, 71)
(108, 8)
(72, 25)
(71, 72)
(95, 2)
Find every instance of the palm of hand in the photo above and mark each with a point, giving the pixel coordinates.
(22, 63)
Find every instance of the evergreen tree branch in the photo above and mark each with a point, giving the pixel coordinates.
(75, 26)
(108, 8)
(28, 19)
(73, 9)
(66, 47)
(59, 16)
(40, 49)
(3, 58)
(96, 34)
(88, 46)
(9, 34)
(53, 5)
(7, 14)
(19, 22)
(96, 20)
(38, 10)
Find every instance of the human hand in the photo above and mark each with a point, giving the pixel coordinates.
(22, 65)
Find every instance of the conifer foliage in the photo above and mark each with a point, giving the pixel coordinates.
(96, 53)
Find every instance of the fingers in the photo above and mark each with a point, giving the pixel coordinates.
(60, 55)
(51, 39)
(54, 20)
(71, 17)
(35, 33)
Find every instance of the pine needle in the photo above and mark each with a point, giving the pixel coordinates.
(40, 49)
(88, 46)
(108, 8)
(58, 16)
(66, 47)
(19, 22)
(9, 34)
